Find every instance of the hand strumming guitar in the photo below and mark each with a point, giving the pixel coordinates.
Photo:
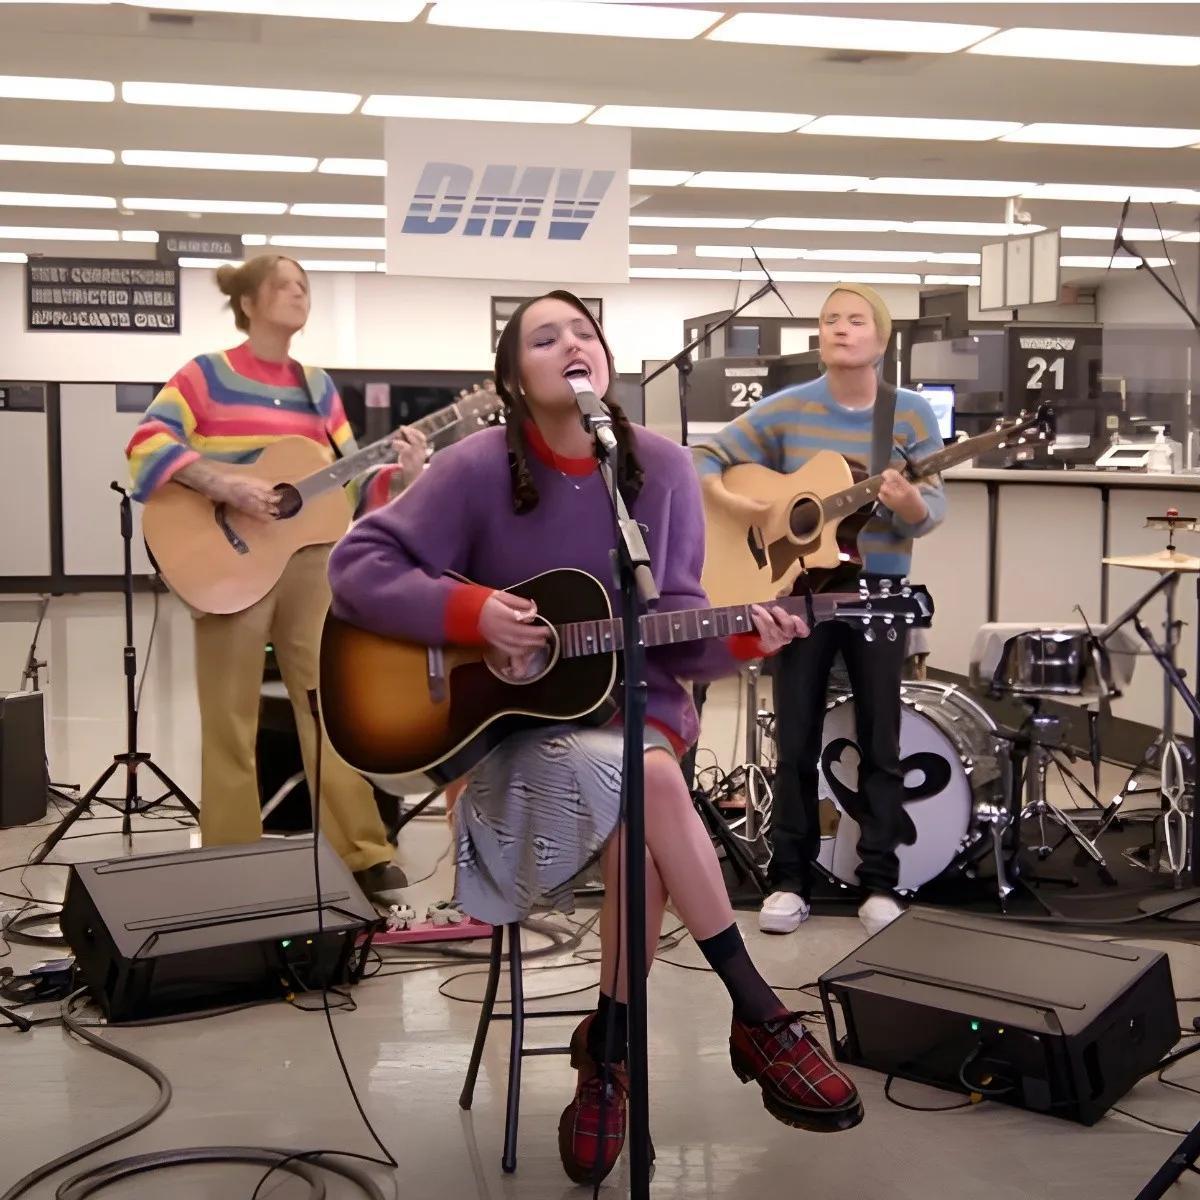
(508, 625)
(255, 497)
(902, 497)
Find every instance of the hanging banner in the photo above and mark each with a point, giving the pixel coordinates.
(100, 295)
(471, 200)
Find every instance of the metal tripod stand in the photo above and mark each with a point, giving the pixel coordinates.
(133, 759)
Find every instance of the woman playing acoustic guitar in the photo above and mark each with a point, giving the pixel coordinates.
(497, 508)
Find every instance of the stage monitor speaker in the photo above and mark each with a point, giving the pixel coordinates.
(163, 933)
(1050, 1023)
(23, 780)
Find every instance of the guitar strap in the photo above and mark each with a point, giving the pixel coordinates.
(304, 383)
(884, 421)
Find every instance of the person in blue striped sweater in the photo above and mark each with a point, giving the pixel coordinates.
(836, 412)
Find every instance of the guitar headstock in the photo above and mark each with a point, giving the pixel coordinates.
(477, 409)
(891, 605)
(1038, 426)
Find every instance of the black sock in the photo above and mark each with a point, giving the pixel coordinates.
(753, 1000)
(597, 1034)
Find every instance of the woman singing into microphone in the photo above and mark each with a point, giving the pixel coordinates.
(497, 508)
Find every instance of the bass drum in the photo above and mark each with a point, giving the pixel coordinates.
(954, 776)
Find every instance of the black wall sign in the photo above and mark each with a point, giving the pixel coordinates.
(97, 295)
(23, 397)
(1051, 363)
(174, 246)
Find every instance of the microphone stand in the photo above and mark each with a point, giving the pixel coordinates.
(635, 582)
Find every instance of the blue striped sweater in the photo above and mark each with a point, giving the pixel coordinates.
(785, 430)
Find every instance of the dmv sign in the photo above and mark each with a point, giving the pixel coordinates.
(497, 201)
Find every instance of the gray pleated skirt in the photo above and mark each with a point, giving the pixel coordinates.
(534, 814)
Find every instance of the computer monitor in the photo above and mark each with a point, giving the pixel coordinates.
(941, 400)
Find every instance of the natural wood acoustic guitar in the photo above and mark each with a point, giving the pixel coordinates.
(220, 560)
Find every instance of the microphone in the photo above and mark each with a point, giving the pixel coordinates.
(597, 420)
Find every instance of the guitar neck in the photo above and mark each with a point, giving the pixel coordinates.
(340, 473)
(580, 638)
(860, 494)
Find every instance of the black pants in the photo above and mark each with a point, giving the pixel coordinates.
(801, 676)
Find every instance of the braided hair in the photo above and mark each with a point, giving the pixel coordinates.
(516, 410)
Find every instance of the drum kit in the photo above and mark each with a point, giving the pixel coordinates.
(976, 790)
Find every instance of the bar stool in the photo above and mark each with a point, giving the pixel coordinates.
(518, 1051)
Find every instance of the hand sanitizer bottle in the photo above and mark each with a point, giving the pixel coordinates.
(1162, 458)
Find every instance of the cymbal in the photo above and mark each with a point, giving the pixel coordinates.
(1163, 560)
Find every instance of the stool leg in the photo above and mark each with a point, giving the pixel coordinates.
(485, 1017)
(516, 1049)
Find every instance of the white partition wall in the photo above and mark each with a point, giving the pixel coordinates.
(93, 455)
(24, 488)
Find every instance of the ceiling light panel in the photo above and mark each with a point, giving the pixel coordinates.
(967, 228)
(354, 166)
(208, 264)
(1093, 45)
(340, 264)
(328, 241)
(563, 16)
(206, 95)
(1112, 193)
(55, 200)
(1045, 133)
(652, 248)
(254, 239)
(826, 225)
(964, 280)
(689, 273)
(38, 87)
(919, 128)
(13, 256)
(748, 252)
(999, 188)
(391, 11)
(44, 233)
(203, 161)
(266, 208)
(642, 178)
(1104, 233)
(776, 182)
(849, 33)
(148, 236)
(691, 222)
(728, 120)
(843, 277)
(57, 154)
(374, 212)
(1121, 261)
(474, 108)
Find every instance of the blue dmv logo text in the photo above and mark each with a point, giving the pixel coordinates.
(505, 205)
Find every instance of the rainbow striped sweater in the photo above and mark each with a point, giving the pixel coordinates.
(229, 407)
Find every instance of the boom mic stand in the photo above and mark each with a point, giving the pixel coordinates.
(133, 758)
(31, 681)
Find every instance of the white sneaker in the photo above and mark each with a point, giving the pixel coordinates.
(783, 912)
(878, 911)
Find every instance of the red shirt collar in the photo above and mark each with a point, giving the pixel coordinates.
(543, 452)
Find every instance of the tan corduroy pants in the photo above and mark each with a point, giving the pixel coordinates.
(230, 656)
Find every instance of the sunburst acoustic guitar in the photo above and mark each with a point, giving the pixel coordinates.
(398, 708)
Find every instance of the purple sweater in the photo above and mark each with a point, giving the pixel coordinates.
(388, 572)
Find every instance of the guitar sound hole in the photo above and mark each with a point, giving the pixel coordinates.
(805, 518)
(290, 502)
(528, 669)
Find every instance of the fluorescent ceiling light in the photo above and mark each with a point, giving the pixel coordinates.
(38, 87)
(690, 273)
(720, 119)
(965, 280)
(826, 224)
(267, 208)
(1046, 133)
(353, 166)
(748, 252)
(968, 228)
(328, 242)
(1112, 193)
(44, 233)
(149, 236)
(339, 264)
(1100, 233)
(849, 33)
(1094, 45)
(375, 212)
(562, 16)
(641, 178)
(1001, 188)
(254, 239)
(919, 128)
(203, 161)
(843, 277)
(652, 248)
(56, 154)
(13, 256)
(473, 108)
(394, 11)
(55, 200)
(776, 181)
(209, 264)
(1121, 261)
(691, 222)
(1187, 237)
(206, 95)
(848, 255)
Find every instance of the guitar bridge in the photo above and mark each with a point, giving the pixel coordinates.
(435, 673)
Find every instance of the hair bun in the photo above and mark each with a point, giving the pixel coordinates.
(227, 278)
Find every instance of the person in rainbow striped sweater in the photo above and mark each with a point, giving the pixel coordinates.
(225, 408)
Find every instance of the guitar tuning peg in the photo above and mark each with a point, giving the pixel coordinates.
(869, 634)
(891, 634)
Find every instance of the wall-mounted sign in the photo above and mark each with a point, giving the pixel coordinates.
(97, 295)
(477, 200)
(23, 397)
(174, 246)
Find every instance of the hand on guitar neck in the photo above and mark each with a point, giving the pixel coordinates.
(903, 497)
